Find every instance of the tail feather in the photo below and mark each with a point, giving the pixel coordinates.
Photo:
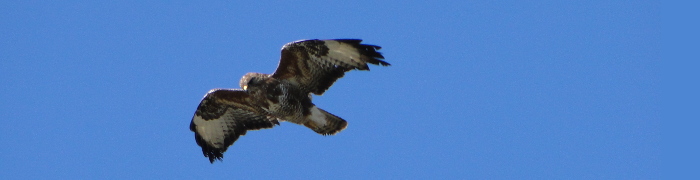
(325, 123)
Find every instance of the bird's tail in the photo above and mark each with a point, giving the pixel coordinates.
(325, 123)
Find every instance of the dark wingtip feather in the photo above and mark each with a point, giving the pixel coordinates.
(214, 158)
(367, 50)
(210, 152)
(375, 57)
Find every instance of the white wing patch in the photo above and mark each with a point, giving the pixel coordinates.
(318, 117)
(214, 131)
(345, 53)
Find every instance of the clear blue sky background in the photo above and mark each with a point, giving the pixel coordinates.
(478, 90)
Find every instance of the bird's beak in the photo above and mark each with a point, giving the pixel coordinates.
(245, 87)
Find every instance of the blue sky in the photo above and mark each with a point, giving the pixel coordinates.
(476, 90)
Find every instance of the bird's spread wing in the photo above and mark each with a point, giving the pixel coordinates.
(223, 116)
(314, 65)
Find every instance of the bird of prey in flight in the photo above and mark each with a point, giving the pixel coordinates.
(305, 67)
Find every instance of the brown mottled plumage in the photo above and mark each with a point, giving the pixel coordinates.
(306, 66)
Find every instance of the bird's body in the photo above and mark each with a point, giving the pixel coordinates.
(281, 99)
(308, 66)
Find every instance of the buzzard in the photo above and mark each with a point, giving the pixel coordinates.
(305, 67)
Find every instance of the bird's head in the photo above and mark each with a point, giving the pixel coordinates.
(252, 80)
